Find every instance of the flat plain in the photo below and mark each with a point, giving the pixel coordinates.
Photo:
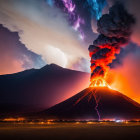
(70, 131)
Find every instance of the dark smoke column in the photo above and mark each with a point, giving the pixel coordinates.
(115, 29)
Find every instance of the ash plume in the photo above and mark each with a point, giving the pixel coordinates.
(115, 29)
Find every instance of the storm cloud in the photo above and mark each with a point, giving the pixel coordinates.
(43, 29)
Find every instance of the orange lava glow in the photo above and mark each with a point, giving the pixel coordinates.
(103, 62)
(126, 78)
(98, 78)
(122, 84)
(99, 82)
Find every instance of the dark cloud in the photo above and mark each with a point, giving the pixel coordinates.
(115, 26)
(130, 49)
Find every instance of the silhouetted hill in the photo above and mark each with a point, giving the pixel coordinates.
(111, 104)
(37, 89)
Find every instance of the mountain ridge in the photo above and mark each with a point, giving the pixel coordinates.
(41, 88)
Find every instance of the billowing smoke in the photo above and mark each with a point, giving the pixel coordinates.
(115, 29)
(133, 7)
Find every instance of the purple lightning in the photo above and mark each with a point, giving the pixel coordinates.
(97, 103)
(69, 5)
(77, 23)
(70, 9)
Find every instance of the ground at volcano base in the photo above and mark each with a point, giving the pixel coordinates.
(70, 131)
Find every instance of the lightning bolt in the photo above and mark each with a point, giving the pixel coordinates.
(91, 93)
(97, 104)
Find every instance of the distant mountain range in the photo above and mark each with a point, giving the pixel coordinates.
(37, 89)
(95, 103)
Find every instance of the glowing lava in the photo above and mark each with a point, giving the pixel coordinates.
(99, 82)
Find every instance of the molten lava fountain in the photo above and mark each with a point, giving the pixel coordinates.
(114, 32)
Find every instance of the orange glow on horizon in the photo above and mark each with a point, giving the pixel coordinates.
(126, 78)
(124, 86)
(13, 119)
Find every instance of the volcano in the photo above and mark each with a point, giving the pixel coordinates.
(95, 103)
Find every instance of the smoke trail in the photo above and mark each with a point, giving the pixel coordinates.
(96, 7)
(115, 29)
